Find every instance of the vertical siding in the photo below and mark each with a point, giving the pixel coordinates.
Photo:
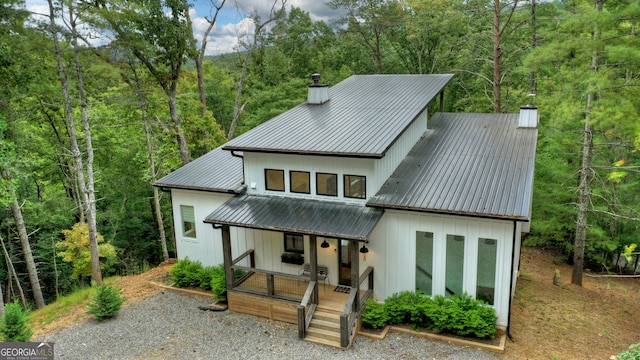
(393, 249)
(256, 163)
(398, 151)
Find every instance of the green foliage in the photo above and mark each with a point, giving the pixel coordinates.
(77, 249)
(187, 273)
(106, 302)
(13, 325)
(219, 283)
(633, 353)
(374, 315)
(460, 315)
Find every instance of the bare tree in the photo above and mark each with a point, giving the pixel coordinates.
(498, 32)
(86, 184)
(276, 12)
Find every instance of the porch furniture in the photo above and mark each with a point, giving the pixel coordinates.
(322, 270)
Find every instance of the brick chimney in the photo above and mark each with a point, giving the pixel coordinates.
(528, 117)
(318, 93)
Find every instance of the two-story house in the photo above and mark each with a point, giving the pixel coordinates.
(372, 192)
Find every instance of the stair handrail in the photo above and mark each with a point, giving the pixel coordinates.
(305, 319)
(350, 314)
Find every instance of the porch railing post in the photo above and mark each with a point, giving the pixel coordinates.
(270, 285)
(355, 272)
(313, 255)
(226, 253)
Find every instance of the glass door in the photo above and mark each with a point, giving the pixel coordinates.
(344, 263)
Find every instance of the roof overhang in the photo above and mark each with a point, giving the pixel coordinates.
(307, 217)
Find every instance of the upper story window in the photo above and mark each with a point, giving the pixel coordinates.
(293, 243)
(188, 221)
(327, 184)
(274, 179)
(355, 186)
(299, 182)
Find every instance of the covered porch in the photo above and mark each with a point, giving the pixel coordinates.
(322, 314)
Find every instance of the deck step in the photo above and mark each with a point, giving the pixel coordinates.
(322, 314)
(326, 325)
(323, 333)
(323, 341)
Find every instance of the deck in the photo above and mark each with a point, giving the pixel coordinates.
(288, 293)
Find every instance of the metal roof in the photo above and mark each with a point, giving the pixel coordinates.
(364, 116)
(217, 171)
(467, 164)
(310, 217)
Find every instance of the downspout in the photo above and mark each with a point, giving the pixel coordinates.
(241, 157)
(511, 293)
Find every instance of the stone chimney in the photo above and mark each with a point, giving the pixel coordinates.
(528, 117)
(318, 93)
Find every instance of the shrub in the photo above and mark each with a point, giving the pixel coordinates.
(400, 306)
(186, 273)
(219, 281)
(374, 315)
(13, 325)
(633, 353)
(106, 303)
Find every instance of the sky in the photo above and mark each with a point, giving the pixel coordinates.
(233, 21)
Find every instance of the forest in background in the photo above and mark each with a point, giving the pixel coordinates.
(85, 131)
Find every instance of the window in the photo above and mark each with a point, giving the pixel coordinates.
(486, 280)
(274, 179)
(327, 184)
(355, 186)
(294, 243)
(299, 182)
(454, 265)
(424, 261)
(188, 221)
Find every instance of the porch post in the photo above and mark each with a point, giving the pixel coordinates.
(355, 271)
(313, 258)
(226, 253)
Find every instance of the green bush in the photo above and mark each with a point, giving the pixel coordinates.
(219, 281)
(106, 302)
(461, 315)
(633, 353)
(374, 315)
(13, 325)
(186, 273)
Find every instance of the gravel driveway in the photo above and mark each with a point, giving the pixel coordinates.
(170, 326)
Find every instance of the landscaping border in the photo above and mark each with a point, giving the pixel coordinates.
(431, 336)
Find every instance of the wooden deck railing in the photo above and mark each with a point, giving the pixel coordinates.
(306, 309)
(354, 306)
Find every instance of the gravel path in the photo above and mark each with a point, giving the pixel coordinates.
(170, 326)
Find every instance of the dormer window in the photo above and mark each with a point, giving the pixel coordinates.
(274, 179)
(327, 184)
(299, 182)
(355, 186)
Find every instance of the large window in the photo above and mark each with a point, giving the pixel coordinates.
(454, 265)
(355, 186)
(424, 261)
(188, 221)
(294, 243)
(327, 184)
(274, 179)
(299, 182)
(486, 280)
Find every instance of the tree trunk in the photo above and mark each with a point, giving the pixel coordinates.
(90, 197)
(534, 43)
(177, 126)
(28, 255)
(585, 172)
(497, 53)
(12, 273)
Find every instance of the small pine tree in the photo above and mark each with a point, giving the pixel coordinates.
(106, 303)
(13, 325)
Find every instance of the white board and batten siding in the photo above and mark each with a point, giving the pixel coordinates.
(393, 253)
(398, 151)
(256, 163)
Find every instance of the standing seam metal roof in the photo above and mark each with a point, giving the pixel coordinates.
(217, 171)
(467, 164)
(310, 217)
(364, 116)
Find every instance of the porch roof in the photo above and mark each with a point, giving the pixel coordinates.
(308, 217)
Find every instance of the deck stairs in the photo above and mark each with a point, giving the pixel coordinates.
(324, 327)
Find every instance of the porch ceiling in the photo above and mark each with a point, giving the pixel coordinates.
(309, 217)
